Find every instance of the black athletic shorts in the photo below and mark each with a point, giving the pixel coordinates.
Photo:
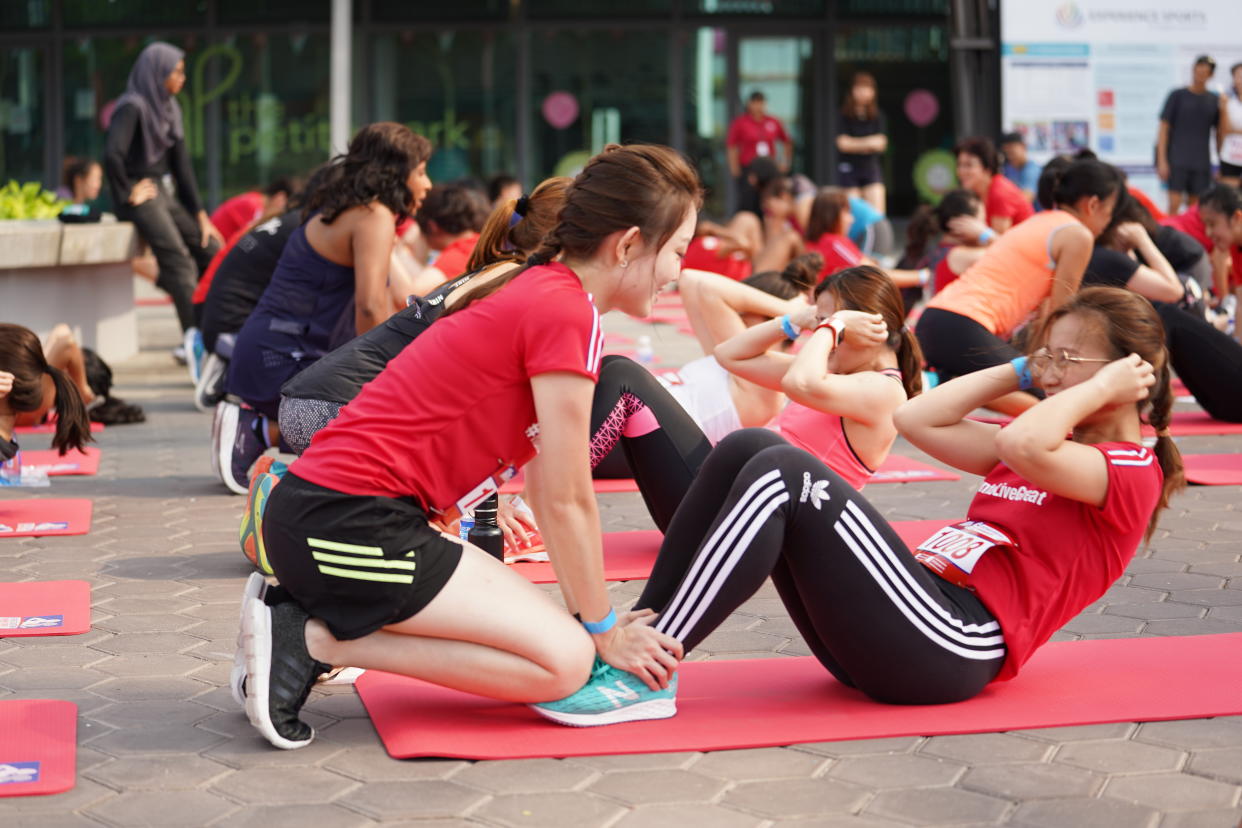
(1228, 170)
(356, 562)
(1189, 180)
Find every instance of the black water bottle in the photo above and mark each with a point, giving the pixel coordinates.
(486, 533)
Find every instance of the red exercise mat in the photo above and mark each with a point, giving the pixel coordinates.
(1196, 424)
(629, 556)
(602, 485)
(725, 705)
(50, 428)
(74, 461)
(44, 608)
(899, 469)
(1213, 469)
(38, 747)
(38, 517)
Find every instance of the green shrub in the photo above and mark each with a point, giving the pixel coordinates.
(29, 201)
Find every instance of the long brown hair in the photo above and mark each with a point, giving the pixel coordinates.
(850, 107)
(1132, 326)
(21, 354)
(826, 210)
(796, 279)
(504, 240)
(647, 186)
(871, 290)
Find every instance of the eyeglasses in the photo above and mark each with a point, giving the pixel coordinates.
(1043, 359)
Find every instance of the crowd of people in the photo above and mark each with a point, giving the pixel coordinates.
(414, 345)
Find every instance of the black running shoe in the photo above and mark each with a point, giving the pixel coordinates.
(279, 671)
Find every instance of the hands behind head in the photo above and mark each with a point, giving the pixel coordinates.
(862, 330)
(1126, 380)
(1131, 233)
(967, 228)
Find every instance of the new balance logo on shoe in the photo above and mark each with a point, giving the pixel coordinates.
(817, 492)
(621, 694)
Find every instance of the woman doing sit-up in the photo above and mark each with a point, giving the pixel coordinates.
(352, 531)
(30, 386)
(1053, 525)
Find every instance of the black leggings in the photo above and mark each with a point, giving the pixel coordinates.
(954, 344)
(876, 618)
(1208, 361)
(664, 461)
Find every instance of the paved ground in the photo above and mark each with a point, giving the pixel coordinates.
(160, 742)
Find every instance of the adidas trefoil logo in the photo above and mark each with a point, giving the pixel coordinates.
(817, 492)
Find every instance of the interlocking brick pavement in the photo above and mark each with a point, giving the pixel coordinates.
(161, 742)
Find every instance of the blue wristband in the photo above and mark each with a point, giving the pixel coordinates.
(603, 625)
(1023, 370)
(787, 326)
(987, 235)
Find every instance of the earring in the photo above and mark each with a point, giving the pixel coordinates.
(625, 264)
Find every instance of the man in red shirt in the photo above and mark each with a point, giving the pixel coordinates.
(241, 211)
(755, 134)
(978, 170)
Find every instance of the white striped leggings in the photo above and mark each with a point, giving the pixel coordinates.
(876, 618)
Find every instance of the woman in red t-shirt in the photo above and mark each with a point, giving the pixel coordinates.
(827, 231)
(1053, 526)
(978, 170)
(355, 530)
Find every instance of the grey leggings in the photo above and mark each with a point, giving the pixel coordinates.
(301, 418)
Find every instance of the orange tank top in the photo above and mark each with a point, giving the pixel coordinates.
(1011, 279)
(823, 435)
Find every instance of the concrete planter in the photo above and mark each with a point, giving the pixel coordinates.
(34, 243)
(98, 243)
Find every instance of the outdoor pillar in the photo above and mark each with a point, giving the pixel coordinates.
(339, 87)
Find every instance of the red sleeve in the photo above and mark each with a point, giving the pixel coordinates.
(944, 275)
(781, 134)
(1134, 483)
(561, 332)
(1005, 200)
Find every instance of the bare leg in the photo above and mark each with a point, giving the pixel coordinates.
(467, 638)
(1175, 202)
(63, 353)
(875, 196)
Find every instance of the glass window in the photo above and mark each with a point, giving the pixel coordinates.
(405, 11)
(272, 93)
(780, 68)
(80, 13)
(591, 88)
(96, 70)
(274, 11)
(21, 115)
(705, 52)
(911, 69)
(25, 14)
(545, 9)
(458, 89)
(892, 8)
(756, 8)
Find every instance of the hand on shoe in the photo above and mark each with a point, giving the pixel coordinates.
(634, 646)
(516, 524)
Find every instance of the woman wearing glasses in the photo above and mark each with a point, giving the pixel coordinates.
(1053, 525)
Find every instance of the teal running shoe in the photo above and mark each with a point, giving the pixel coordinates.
(611, 696)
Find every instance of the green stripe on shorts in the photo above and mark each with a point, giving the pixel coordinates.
(340, 559)
(334, 546)
(386, 577)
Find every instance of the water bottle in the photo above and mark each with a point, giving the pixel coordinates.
(1231, 313)
(464, 528)
(11, 471)
(486, 533)
(644, 352)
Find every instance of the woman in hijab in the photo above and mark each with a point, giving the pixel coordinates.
(149, 175)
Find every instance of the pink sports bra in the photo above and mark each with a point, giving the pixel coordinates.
(823, 435)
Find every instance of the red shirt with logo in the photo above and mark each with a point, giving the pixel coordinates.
(706, 253)
(1067, 552)
(838, 252)
(456, 405)
(754, 138)
(1191, 223)
(1005, 200)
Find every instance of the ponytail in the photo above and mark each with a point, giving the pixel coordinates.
(1166, 450)
(546, 252)
(518, 226)
(910, 361)
(73, 426)
(923, 226)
